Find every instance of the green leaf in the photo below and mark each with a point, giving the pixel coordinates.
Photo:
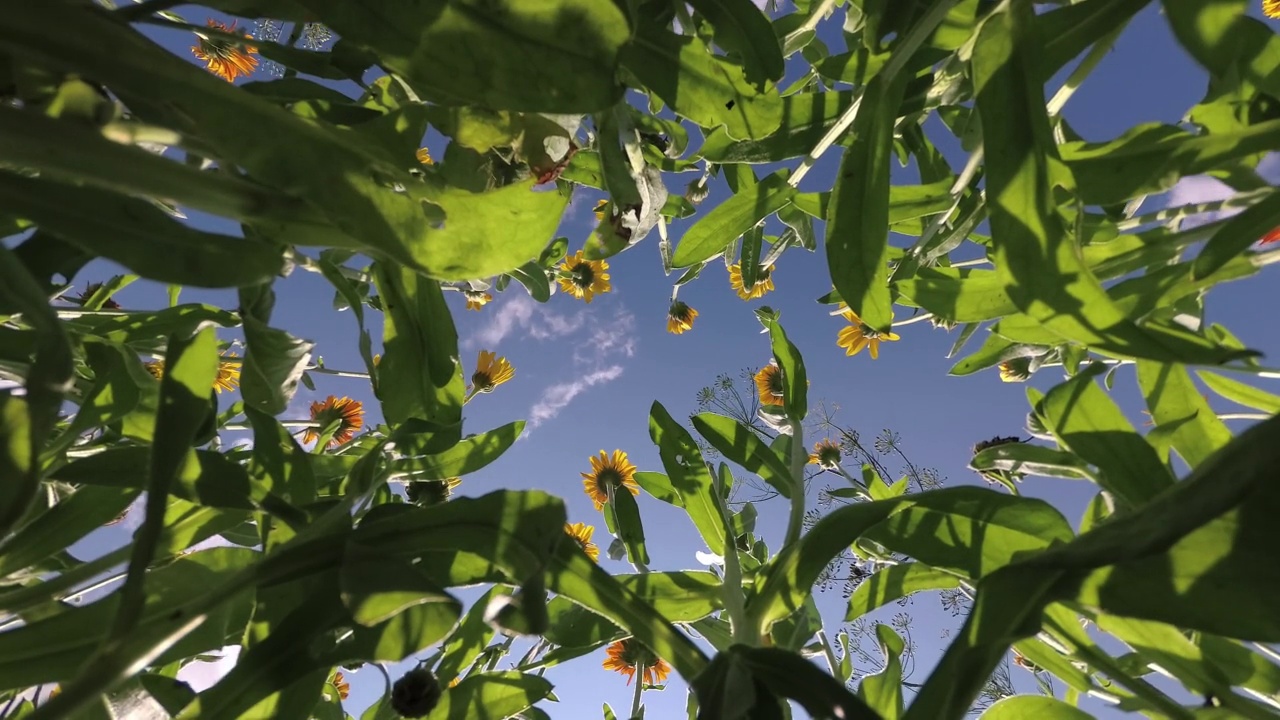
(686, 596)
(883, 690)
(1041, 266)
(740, 445)
(906, 202)
(139, 236)
(86, 510)
(794, 379)
(490, 696)
(1240, 393)
(1150, 158)
(273, 366)
(1032, 460)
(1086, 421)
(468, 639)
(133, 326)
(971, 531)
(418, 376)
(1025, 706)
(712, 233)
(376, 589)
(741, 28)
(206, 477)
(896, 582)
(1237, 235)
(534, 279)
(557, 57)
(614, 132)
(806, 118)
(1176, 403)
(1068, 30)
(623, 515)
(689, 476)
(787, 674)
(467, 456)
(709, 90)
(958, 295)
(659, 486)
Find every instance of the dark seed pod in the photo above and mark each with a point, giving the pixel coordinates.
(429, 492)
(416, 693)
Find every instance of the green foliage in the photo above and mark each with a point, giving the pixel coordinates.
(108, 140)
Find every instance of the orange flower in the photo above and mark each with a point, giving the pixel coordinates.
(826, 453)
(858, 335)
(581, 534)
(763, 286)
(584, 279)
(1273, 235)
(424, 156)
(616, 472)
(349, 412)
(477, 300)
(627, 656)
(680, 318)
(769, 384)
(341, 685)
(1271, 8)
(225, 58)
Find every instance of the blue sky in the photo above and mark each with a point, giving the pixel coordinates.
(587, 374)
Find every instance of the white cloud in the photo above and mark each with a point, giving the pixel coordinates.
(608, 339)
(1198, 189)
(520, 312)
(557, 397)
(204, 675)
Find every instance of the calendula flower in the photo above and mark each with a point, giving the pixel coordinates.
(769, 384)
(491, 371)
(859, 335)
(424, 156)
(581, 534)
(340, 684)
(228, 377)
(454, 682)
(89, 291)
(764, 283)
(680, 318)
(628, 656)
(477, 300)
(1015, 370)
(228, 373)
(1271, 8)
(1273, 235)
(615, 472)
(601, 209)
(826, 453)
(227, 59)
(349, 412)
(431, 492)
(584, 278)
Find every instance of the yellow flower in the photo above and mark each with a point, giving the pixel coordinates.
(228, 377)
(1271, 8)
(859, 335)
(454, 682)
(477, 300)
(225, 58)
(764, 283)
(581, 534)
(616, 472)
(341, 685)
(680, 318)
(769, 384)
(627, 656)
(348, 411)
(1018, 369)
(228, 374)
(826, 453)
(377, 359)
(600, 209)
(424, 156)
(491, 371)
(585, 278)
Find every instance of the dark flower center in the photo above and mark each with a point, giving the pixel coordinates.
(583, 275)
(607, 478)
(482, 381)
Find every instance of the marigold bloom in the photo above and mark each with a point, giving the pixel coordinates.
(341, 685)
(600, 209)
(89, 291)
(491, 371)
(584, 278)
(680, 318)
(763, 286)
(859, 335)
(628, 656)
(228, 377)
(1273, 235)
(1271, 8)
(1015, 370)
(477, 300)
(424, 156)
(225, 58)
(769, 384)
(349, 412)
(826, 453)
(581, 534)
(615, 472)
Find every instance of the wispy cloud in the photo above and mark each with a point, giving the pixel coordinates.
(204, 675)
(1197, 189)
(521, 313)
(557, 397)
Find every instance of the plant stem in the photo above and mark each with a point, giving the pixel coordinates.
(831, 655)
(812, 21)
(731, 588)
(1240, 201)
(635, 699)
(798, 458)
(1083, 70)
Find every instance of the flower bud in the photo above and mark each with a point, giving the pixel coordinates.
(416, 693)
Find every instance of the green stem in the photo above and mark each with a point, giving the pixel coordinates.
(831, 655)
(130, 13)
(635, 699)
(798, 458)
(294, 35)
(1083, 70)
